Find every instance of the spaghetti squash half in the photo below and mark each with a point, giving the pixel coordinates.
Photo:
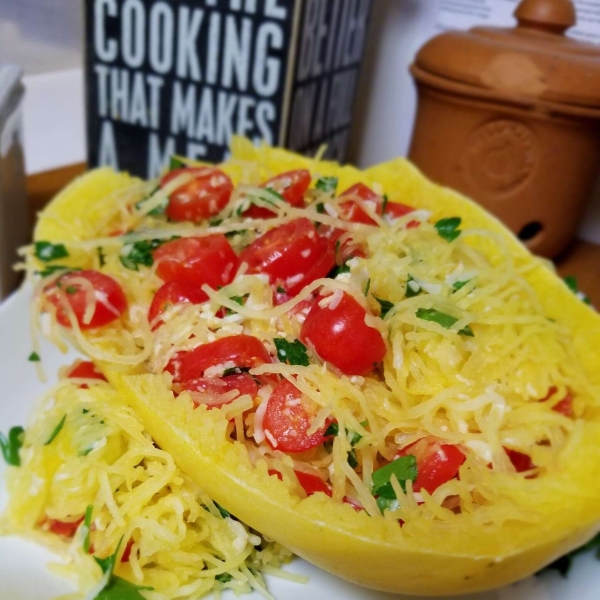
(363, 366)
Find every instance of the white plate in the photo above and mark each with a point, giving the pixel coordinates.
(23, 574)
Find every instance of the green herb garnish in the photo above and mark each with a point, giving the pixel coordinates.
(367, 287)
(241, 300)
(385, 306)
(573, 285)
(47, 251)
(101, 256)
(176, 163)
(224, 513)
(139, 253)
(292, 353)
(235, 371)
(384, 204)
(459, 285)
(332, 429)
(56, 431)
(71, 289)
(327, 184)
(34, 357)
(51, 269)
(446, 321)
(404, 468)
(11, 444)
(157, 211)
(280, 290)
(223, 577)
(449, 228)
(352, 460)
(117, 588)
(87, 523)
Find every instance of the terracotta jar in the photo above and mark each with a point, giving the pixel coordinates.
(511, 118)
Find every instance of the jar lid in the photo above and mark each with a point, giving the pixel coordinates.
(533, 61)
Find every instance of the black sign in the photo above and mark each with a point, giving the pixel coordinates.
(181, 76)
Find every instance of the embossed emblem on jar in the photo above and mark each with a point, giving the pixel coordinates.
(500, 156)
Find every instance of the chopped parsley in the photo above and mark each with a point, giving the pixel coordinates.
(51, 269)
(338, 270)
(367, 287)
(327, 184)
(87, 523)
(101, 256)
(157, 211)
(139, 253)
(446, 321)
(385, 306)
(71, 289)
(292, 353)
(34, 357)
(176, 163)
(56, 431)
(117, 588)
(384, 204)
(449, 228)
(404, 468)
(280, 290)
(572, 284)
(11, 444)
(224, 513)
(413, 288)
(47, 251)
(333, 429)
(459, 285)
(241, 300)
(223, 577)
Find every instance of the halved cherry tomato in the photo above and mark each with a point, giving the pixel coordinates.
(197, 261)
(64, 528)
(217, 386)
(352, 211)
(312, 484)
(286, 422)
(103, 291)
(242, 350)
(127, 552)
(85, 369)
(293, 255)
(436, 463)
(565, 406)
(341, 337)
(520, 461)
(174, 292)
(292, 185)
(203, 197)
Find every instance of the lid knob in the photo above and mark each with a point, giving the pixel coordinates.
(553, 16)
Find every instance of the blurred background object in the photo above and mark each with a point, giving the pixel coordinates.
(511, 118)
(14, 230)
(47, 40)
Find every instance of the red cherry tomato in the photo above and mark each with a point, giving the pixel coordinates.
(436, 463)
(202, 197)
(341, 337)
(242, 382)
(77, 286)
(292, 185)
(286, 422)
(565, 406)
(312, 484)
(174, 292)
(85, 369)
(352, 211)
(64, 528)
(293, 255)
(243, 351)
(127, 552)
(521, 462)
(197, 261)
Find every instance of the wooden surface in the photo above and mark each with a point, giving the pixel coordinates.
(582, 259)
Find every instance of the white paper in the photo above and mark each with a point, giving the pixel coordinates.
(463, 14)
